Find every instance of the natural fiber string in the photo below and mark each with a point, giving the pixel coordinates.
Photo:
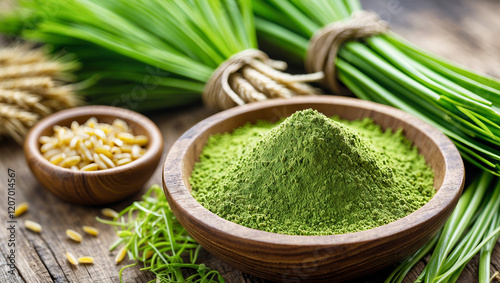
(250, 76)
(325, 44)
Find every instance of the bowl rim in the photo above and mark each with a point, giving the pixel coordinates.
(155, 143)
(447, 195)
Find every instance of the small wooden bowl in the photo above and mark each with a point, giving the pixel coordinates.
(95, 187)
(325, 258)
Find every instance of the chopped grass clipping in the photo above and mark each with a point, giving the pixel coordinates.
(150, 234)
(153, 54)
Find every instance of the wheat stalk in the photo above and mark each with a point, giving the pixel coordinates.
(37, 69)
(30, 84)
(20, 55)
(24, 100)
(15, 121)
(30, 88)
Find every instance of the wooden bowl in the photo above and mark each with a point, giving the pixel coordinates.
(94, 187)
(325, 258)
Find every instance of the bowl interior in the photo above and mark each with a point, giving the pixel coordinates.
(137, 129)
(103, 114)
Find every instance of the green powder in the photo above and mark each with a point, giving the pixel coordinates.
(311, 175)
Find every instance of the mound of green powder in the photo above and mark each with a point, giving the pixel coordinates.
(311, 175)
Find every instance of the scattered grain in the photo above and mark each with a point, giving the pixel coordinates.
(21, 209)
(73, 235)
(109, 212)
(33, 226)
(121, 254)
(71, 258)
(90, 230)
(149, 254)
(86, 260)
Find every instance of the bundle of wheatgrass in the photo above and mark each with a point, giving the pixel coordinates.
(154, 54)
(355, 48)
(32, 86)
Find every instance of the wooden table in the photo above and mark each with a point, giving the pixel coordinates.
(464, 31)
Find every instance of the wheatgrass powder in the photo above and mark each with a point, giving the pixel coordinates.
(311, 175)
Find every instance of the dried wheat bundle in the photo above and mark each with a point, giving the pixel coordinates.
(31, 87)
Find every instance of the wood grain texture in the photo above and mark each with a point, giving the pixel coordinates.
(459, 30)
(94, 187)
(326, 258)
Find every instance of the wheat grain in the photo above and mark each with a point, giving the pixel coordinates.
(121, 254)
(122, 156)
(99, 162)
(92, 143)
(109, 212)
(105, 151)
(123, 161)
(33, 226)
(120, 124)
(71, 258)
(109, 163)
(86, 260)
(90, 230)
(56, 159)
(90, 167)
(73, 235)
(126, 137)
(47, 147)
(141, 140)
(149, 254)
(21, 209)
(70, 162)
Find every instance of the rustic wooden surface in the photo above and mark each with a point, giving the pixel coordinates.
(461, 30)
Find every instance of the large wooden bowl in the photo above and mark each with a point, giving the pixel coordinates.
(94, 187)
(326, 258)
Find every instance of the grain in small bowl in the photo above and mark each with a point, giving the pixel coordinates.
(327, 258)
(109, 179)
